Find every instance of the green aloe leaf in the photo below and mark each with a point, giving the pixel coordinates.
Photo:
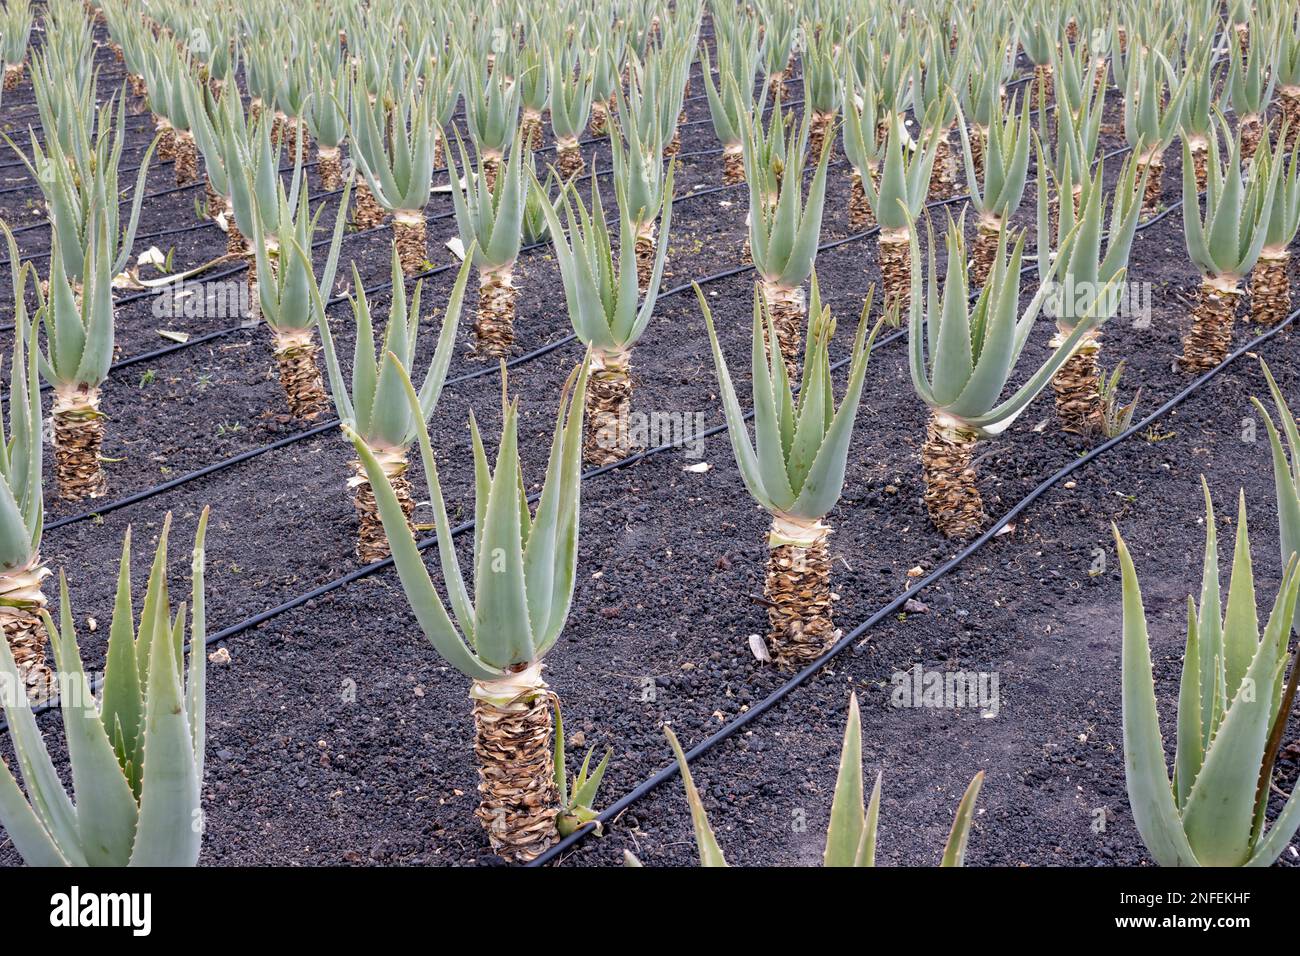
(710, 852)
(1152, 799)
(844, 836)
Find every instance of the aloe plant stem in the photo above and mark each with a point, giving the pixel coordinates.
(733, 164)
(409, 237)
(1206, 345)
(187, 158)
(645, 255)
(1289, 103)
(988, 233)
(895, 268)
(1270, 286)
(788, 307)
(21, 603)
(372, 542)
(78, 434)
(861, 218)
(494, 326)
(798, 591)
(518, 800)
(943, 174)
(300, 375)
(951, 495)
(609, 405)
(1152, 165)
(330, 166)
(369, 214)
(1077, 387)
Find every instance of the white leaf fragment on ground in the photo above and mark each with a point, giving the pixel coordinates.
(152, 256)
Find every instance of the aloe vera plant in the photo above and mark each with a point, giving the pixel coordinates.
(1233, 702)
(1151, 118)
(16, 22)
(638, 162)
(877, 92)
(492, 105)
(171, 77)
(78, 326)
(65, 102)
(1069, 139)
(525, 566)
(604, 57)
(442, 79)
(897, 201)
(527, 71)
(936, 73)
(795, 467)
(1040, 31)
(657, 91)
(1223, 244)
(864, 147)
(1198, 124)
(1286, 26)
(81, 189)
(252, 172)
(730, 98)
(983, 95)
(1270, 280)
(996, 190)
(489, 216)
(536, 227)
(1088, 284)
(22, 503)
(961, 357)
(326, 115)
(212, 43)
(570, 104)
(576, 797)
(780, 32)
(392, 145)
(1249, 89)
(1077, 76)
(783, 230)
(603, 307)
(375, 406)
(214, 134)
(822, 57)
(1286, 474)
(291, 92)
(128, 810)
(851, 834)
(289, 295)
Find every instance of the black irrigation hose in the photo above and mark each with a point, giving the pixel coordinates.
(612, 812)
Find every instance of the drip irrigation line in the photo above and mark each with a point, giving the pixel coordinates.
(610, 813)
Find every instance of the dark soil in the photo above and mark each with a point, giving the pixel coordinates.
(337, 736)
